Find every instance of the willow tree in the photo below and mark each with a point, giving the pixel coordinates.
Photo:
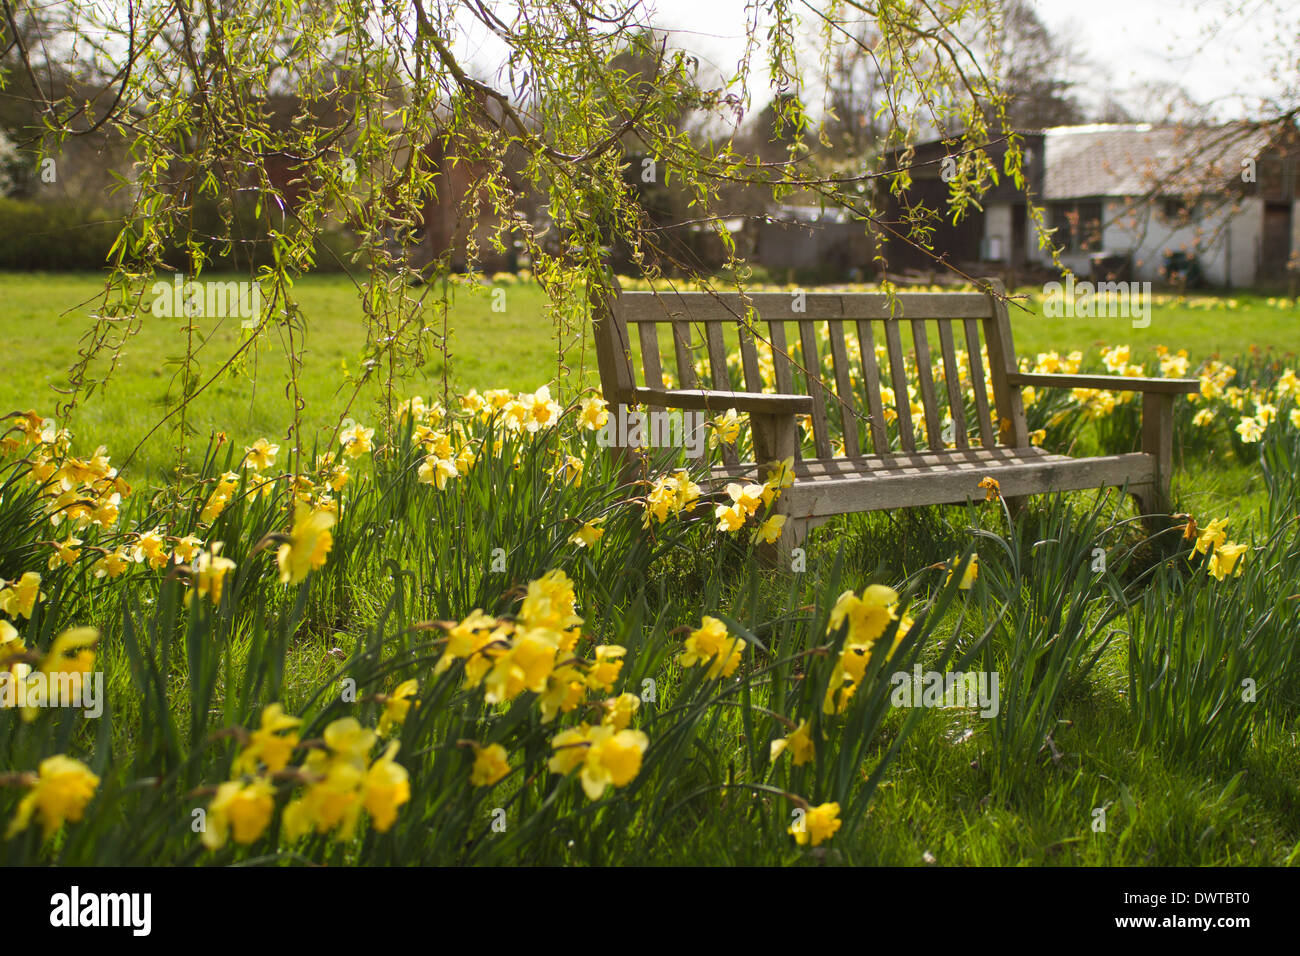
(287, 116)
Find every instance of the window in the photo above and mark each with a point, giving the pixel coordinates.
(1077, 225)
(1177, 209)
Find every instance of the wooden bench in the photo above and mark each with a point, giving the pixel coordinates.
(854, 478)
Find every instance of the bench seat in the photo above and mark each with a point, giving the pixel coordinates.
(826, 487)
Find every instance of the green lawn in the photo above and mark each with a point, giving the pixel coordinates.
(47, 315)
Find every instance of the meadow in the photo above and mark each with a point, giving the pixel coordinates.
(460, 635)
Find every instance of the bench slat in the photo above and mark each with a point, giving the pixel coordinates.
(812, 368)
(864, 466)
(749, 355)
(925, 376)
(898, 375)
(871, 384)
(945, 484)
(764, 403)
(844, 390)
(720, 376)
(952, 379)
(731, 306)
(654, 373)
(1012, 429)
(780, 357)
(978, 385)
(685, 360)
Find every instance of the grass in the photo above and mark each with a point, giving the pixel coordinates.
(48, 315)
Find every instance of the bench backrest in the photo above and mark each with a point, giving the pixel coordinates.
(851, 326)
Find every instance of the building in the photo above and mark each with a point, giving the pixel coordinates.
(1154, 203)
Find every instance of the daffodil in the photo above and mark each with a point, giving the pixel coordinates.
(261, 455)
(60, 792)
(780, 475)
(593, 414)
(539, 409)
(308, 546)
(604, 756)
(588, 534)
(151, 547)
(726, 428)
(387, 787)
(490, 765)
(396, 706)
(239, 810)
(210, 570)
(770, 530)
(1250, 429)
(620, 710)
(604, 671)
(1225, 559)
(437, 471)
(356, 440)
(730, 517)
(524, 665)
(187, 549)
(968, 576)
(269, 746)
(817, 825)
(712, 643)
(18, 598)
(1212, 536)
(800, 744)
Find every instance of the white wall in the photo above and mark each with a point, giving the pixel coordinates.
(1232, 245)
(1295, 228)
(997, 225)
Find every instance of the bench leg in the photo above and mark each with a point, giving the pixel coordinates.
(774, 440)
(1154, 501)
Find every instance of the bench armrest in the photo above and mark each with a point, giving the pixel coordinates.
(712, 400)
(1112, 383)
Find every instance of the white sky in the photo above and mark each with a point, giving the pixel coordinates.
(1129, 43)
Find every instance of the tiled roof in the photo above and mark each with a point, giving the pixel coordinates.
(1132, 160)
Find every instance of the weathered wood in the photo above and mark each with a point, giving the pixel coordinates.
(813, 369)
(898, 375)
(1012, 429)
(952, 380)
(977, 459)
(780, 357)
(979, 387)
(925, 376)
(941, 484)
(775, 440)
(613, 351)
(650, 363)
(720, 377)
(749, 355)
(717, 357)
(719, 401)
(686, 377)
(1107, 383)
(731, 306)
(1158, 442)
(871, 385)
(844, 390)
